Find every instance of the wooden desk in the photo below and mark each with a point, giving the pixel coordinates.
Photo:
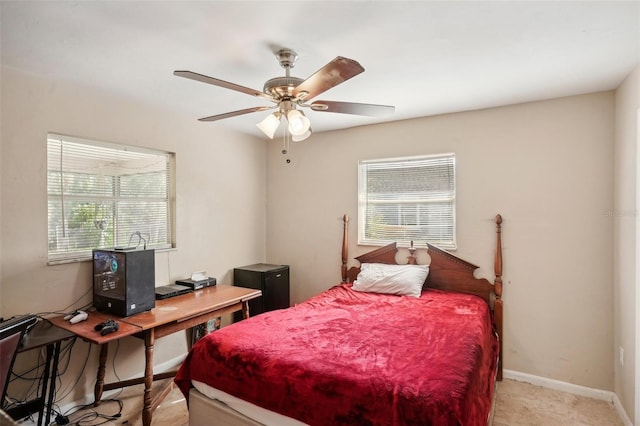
(169, 315)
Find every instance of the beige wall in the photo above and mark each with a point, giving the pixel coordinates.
(626, 243)
(547, 167)
(220, 202)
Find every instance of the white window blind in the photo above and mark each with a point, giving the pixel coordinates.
(105, 195)
(407, 199)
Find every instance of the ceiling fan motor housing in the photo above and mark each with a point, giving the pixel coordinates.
(282, 87)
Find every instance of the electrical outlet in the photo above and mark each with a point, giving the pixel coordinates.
(621, 352)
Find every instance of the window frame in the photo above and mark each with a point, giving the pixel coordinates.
(120, 195)
(395, 162)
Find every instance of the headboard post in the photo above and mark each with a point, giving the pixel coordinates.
(345, 247)
(498, 259)
(411, 259)
(497, 306)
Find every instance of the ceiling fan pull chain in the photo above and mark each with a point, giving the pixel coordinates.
(286, 139)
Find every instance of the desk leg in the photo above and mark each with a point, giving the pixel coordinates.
(54, 376)
(245, 309)
(147, 411)
(45, 382)
(97, 391)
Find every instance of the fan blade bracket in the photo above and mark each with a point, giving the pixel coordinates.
(301, 96)
(318, 106)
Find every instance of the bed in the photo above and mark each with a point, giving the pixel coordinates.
(371, 350)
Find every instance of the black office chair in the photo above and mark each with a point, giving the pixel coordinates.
(11, 333)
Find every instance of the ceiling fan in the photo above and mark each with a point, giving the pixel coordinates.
(288, 93)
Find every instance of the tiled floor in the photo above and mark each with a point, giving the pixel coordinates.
(517, 404)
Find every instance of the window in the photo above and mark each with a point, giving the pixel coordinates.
(407, 199)
(104, 195)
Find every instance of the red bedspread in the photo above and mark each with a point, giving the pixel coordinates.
(346, 358)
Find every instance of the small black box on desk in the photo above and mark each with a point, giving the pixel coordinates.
(197, 284)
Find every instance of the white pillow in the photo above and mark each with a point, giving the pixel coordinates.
(403, 280)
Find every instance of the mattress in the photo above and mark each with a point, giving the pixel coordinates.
(244, 408)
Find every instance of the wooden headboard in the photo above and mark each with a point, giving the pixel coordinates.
(446, 272)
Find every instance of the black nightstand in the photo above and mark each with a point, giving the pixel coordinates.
(272, 280)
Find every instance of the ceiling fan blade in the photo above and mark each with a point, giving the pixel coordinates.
(236, 113)
(221, 83)
(353, 108)
(335, 72)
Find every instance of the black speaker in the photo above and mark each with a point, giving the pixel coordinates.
(124, 281)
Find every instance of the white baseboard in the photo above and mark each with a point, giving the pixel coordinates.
(621, 412)
(571, 388)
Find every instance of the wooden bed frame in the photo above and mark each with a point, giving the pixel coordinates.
(446, 272)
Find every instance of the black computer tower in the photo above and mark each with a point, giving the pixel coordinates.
(123, 281)
(272, 280)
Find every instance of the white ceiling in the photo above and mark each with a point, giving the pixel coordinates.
(423, 57)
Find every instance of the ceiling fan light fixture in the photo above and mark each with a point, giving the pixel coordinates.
(298, 138)
(270, 124)
(299, 124)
